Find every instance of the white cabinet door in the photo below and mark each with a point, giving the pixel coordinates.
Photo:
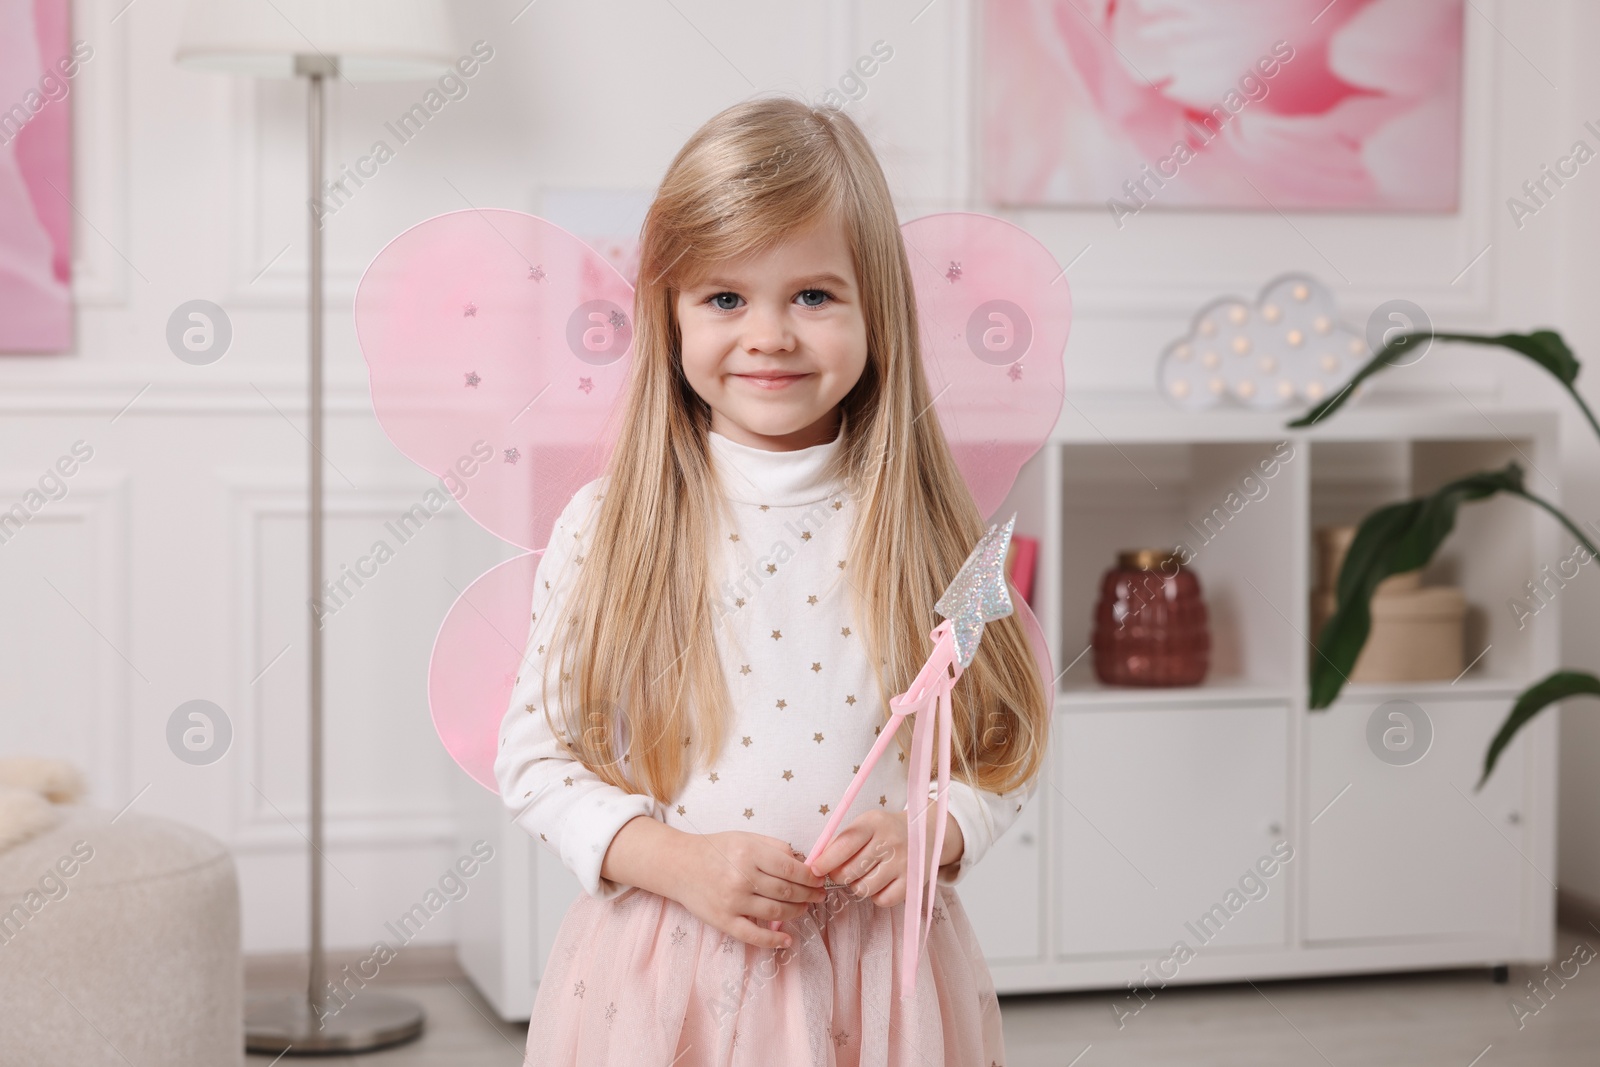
(1400, 845)
(555, 888)
(1004, 894)
(1161, 818)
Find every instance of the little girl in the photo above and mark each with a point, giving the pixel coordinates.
(720, 621)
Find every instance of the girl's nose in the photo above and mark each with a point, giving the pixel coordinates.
(767, 330)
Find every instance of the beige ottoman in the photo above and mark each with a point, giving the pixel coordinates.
(119, 943)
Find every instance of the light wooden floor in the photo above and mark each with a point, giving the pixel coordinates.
(1435, 1019)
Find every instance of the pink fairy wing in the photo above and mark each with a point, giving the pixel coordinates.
(475, 660)
(497, 345)
(994, 311)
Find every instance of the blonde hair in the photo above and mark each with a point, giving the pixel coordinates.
(637, 651)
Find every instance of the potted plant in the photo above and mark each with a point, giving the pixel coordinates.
(1404, 536)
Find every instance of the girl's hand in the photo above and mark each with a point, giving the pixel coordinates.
(869, 854)
(738, 882)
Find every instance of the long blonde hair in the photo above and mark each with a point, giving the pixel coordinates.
(637, 652)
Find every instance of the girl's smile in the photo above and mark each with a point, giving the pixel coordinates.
(770, 380)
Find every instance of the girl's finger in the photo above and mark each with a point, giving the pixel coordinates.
(785, 890)
(858, 865)
(846, 843)
(759, 936)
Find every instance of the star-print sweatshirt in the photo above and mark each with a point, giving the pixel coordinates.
(806, 705)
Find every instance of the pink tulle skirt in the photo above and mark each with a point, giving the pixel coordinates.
(639, 981)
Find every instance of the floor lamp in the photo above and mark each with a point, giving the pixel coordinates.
(355, 41)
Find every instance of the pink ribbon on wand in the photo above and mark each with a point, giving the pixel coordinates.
(978, 595)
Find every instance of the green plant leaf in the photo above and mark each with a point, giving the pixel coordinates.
(1533, 700)
(1392, 540)
(1544, 347)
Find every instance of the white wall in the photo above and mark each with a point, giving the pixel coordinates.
(171, 570)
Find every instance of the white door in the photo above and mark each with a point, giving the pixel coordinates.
(1400, 845)
(1163, 816)
(1004, 894)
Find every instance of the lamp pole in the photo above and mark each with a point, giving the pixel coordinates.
(320, 1024)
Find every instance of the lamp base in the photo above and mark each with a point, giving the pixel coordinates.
(287, 1024)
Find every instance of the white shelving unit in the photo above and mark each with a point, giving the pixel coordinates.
(1156, 803)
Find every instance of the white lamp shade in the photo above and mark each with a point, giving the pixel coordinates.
(373, 40)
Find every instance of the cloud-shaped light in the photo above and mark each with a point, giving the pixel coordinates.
(1288, 348)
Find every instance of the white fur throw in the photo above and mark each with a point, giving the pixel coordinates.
(24, 813)
(54, 779)
(29, 791)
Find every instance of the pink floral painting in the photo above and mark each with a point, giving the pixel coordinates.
(37, 67)
(1264, 104)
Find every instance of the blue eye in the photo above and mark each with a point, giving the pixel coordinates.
(714, 299)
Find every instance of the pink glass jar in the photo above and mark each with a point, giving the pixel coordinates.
(1150, 626)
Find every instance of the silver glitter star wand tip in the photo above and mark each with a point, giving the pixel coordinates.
(978, 594)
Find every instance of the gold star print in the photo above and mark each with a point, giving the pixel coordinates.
(763, 507)
(844, 631)
(841, 564)
(733, 537)
(568, 780)
(531, 708)
(840, 1037)
(882, 801)
(682, 809)
(738, 602)
(902, 757)
(816, 668)
(782, 703)
(823, 809)
(805, 535)
(856, 769)
(714, 776)
(818, 739)
(837, 504)
(812, 599)
(787, 775)
(678, 934)
(746, 742)
(541, 650)
(744, 668)
(544, 838)
(772, 568)
(749, 813)
(777, 635)
(851, 699)
(536, 616)
(547, 583)
(578, 559)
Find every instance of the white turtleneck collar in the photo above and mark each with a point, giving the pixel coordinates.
(757, 476)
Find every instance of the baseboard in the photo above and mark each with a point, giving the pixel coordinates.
(1577, 911)
(282, 971)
